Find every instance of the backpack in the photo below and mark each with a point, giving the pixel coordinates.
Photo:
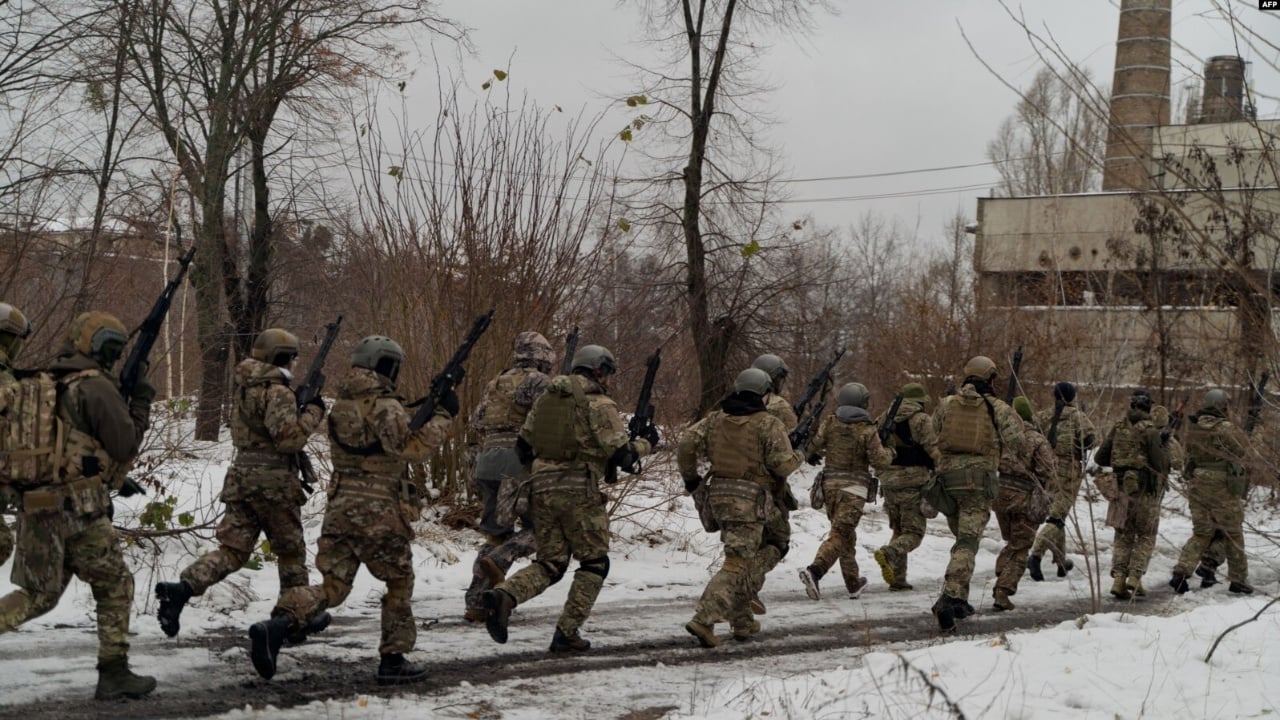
(31, 435)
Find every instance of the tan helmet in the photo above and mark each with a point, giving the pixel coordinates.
(14, 328)
(98, 335)
(275, 346)
(981, 367)
(533, 350)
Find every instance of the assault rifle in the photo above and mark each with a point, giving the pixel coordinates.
(804, 429)
(570, 347)
(451, 375)
(1175, 421)
(642, 420)
(818, 384)
(1013, 376)
(149, 331)
(890, 425)
(310, 389)
(1255, 403)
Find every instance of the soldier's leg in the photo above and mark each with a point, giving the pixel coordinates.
(39, 569)
(94, 556)
(909, 532)
(587, 531)
(1052, 537)
(971, 519)
(1022, 532)
(844, 511)
(1002, 507)
(237, 536)
(282, 524)
(6, 541)
(390, 559)
(776, 539)
(552, 557)
(728, 592)
(493, 562)
(1145, 526)
(1202, 529)
(1229, 514)
(1123, 546)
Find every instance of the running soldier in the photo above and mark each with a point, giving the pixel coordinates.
(851, 442)
(574, 437)
(1071, 438)
(780, 407)
(64, 525)
(498, 419)
(1216, 451)
(14, 328)
(372, 503)
(915, 448)
(262, 493)
(751, 457)
(1021, 503)
(974, 428)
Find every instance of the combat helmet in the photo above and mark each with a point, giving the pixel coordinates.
(98, 335)
(596, 358)
(14, 328)
(855, 394)
(754, 381)
(1215, 400)
(981, 367)
(380, 354)
(774, 366)
(275, 347)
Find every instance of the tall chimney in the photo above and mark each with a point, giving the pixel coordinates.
(1224, 90)
(1139, 92)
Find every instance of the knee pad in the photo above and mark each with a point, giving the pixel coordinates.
(598, 566)
(1056, 522)
(554, 570)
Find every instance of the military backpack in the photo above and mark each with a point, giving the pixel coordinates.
(552, 434)
(31, 434)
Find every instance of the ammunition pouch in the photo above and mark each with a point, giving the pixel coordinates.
(567, 482)
(935, 494)
(261, 457)
(736, 489)
(972, 479)
(702, 503)
(1237, 483)
(83, 497)
(817, 493)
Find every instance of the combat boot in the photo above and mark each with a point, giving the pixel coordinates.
(706, 634)
(1065, 567)
(945, 612)
(475, 615)
(492, 574)
(319, 623)
(265, 639)
(1119, 588)
(1240, 588)
(1208, 578)
(563, 642)
(173, 596)
(1033, 568)
(757, 606)
(886, 566)
(856, 591)
(1135, 586)
(901, 587)
(393, 669)
(499, 604)
(743, 632)
(116, 680)
(810, 576)
(1002, 601)
(1179, 583)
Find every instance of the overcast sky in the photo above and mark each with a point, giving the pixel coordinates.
(884, 86)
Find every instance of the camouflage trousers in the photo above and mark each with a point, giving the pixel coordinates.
(1214, 511)
(503, 545)
(568, 523)
(6, 541)
(902, 505)
(362, 531)
(1064, 488)
(1018, 530)
(54, 546)
(973, 510)
(844, 510)
(1136, 539)
(243, 521)
(752, 547)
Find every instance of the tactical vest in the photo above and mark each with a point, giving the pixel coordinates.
(733, 447)
(1011, 464)
(82, 455)
(1127, 450)
(968, 426)
(556, 413)
(31, 434)
(501, 413)
(1205, 448)
(1067, 440)
(352, 439)
(847, 447)
(908, 452)
(248, 430)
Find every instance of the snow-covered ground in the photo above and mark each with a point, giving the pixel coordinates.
(1105, 664)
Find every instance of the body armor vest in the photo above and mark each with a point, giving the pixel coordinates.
(83, 454)
(248, 431)
(501, 413)
(847, 447)
(553, 434)
(1126, 445)
(1204, 447)
(968, 427)
(31, 435)
(733, 447)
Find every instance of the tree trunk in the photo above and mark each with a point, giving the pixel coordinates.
(261, 248)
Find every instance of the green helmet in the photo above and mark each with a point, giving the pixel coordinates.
(771, 364)
(14, 328)
(855, 394)
(1215, 400)
(1022, 406)
(754, 381)
(380, 354)
(595, 358)
(981, 367)
(98, 335)
(916, 392)
(275, 346)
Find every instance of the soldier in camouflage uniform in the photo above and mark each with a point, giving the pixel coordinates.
(974, 428)
(64, 526)
(14, 328)
(1021, 503)
(1071, 437)
(1134, 450)
(574, 437)
(1216, 451)
(852, 446)
(372, 503)
(915, 448)
(262, 493)
(498, 419)
(751, 457)
(780, 407)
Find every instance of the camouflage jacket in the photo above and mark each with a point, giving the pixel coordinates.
(598, 431)
(741, 443)
(508, 399)
(1134, 444)
(914, 439)
(1215, 443)
(1075, 434)
(369, 428)
(1036, 461)
(94, 406)
(265, 414)
(851, 444)
(779, 407)
(987, 418)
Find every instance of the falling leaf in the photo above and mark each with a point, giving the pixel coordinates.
(363, 129)
(750, 248)
(797, 225)
(364, 702)
(558, 108)
(584, 159)
(623, 225)
(396, 172)
(487, 84)
(636, 100)
(625, 135)
(401, 85)
(500, 75)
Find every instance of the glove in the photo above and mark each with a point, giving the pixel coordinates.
(814, 459)
(449, 401)
(624, 458)
(650, 433)
(143, 390)
(691, 483)
(130, 488)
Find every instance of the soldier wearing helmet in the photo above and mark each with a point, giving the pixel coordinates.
(973, 427)
(1216, 451)
(750, 457)
(1140, 460)
(64, 527)
(571, 437)
(915, 448)
(1020, 503)
(1071, 434)
(14, 329)
(372, 503)
(850, 441)
(775, 401)
(498, 419)
(261, 494)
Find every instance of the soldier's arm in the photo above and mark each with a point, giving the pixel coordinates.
(108, 418)
(878, 456)
(818, 442)
(693, 445)
(779, 459)
(1010, 427)
(1086, 431)
(923, 432)
(533, 385)
(477, 415)
(1157, 453)
(289, 430)
(1044, 462)
(390, 421)
(783, 411)
(605, 423)
(1103, 456)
